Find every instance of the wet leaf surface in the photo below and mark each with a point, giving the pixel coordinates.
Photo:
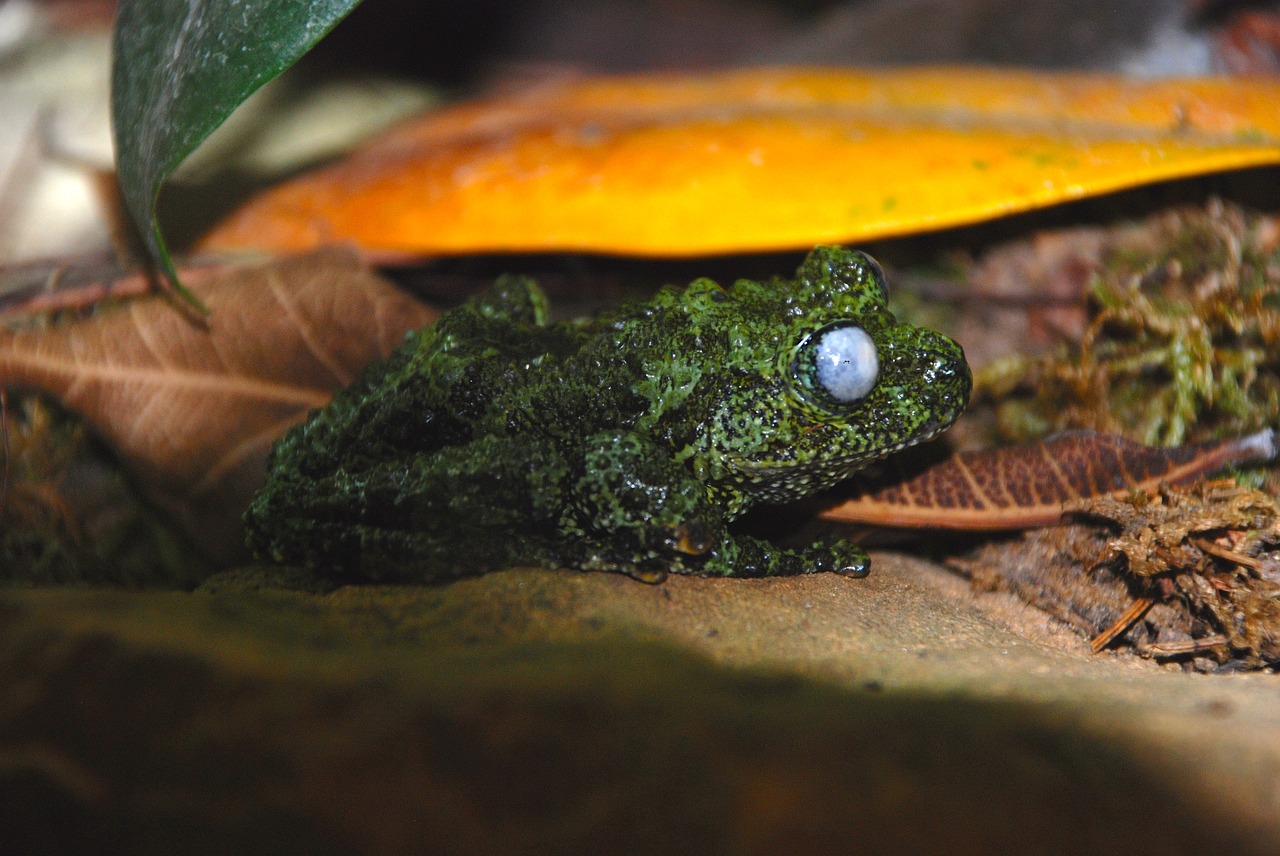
(178, 71)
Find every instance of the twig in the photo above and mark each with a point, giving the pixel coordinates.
(1189, 646)
(1227, 553)
(1134, 613)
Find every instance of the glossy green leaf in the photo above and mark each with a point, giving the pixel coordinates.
(180, 68)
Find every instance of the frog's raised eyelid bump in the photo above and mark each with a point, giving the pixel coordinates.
(877, 272)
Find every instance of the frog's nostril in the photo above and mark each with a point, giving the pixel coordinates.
(949, 368)
(946, 371)
(956, 370)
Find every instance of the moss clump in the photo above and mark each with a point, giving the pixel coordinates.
(40, 537)
(68, 515)
(1183, 341)
(1209, 551)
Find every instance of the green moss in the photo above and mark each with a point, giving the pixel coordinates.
(1183, 343)
(69, 516)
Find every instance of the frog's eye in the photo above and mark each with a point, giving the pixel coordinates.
(837, 363)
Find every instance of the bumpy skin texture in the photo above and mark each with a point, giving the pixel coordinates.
(626, 442)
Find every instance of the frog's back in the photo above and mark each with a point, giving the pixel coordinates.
(439, 387)
(444, 388)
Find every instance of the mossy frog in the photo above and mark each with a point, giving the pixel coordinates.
(625, 442)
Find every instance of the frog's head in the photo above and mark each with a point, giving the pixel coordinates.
(823, 380)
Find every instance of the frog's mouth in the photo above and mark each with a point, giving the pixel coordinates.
(928, 430)
(835, 464)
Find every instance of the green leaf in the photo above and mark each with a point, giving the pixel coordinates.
(180, 68)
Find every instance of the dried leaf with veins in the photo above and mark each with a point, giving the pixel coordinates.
(192, 411)
(1034, 483)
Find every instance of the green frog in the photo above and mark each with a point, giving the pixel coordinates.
(625, 442)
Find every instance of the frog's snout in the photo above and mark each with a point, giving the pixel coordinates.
(947, 384)
(952, 372)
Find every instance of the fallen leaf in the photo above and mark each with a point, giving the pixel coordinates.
(192, 410)
(1034, 483)
(757, 160)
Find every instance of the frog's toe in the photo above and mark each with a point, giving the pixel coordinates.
(855, 569)
(650, 576)
(842, 558)
(688, 537)
(693, 538)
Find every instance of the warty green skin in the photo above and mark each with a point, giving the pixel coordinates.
(626, 442)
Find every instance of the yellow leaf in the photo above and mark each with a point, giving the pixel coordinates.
(758, 160)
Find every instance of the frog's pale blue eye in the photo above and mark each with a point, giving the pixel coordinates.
(845, 363)
(837, 364)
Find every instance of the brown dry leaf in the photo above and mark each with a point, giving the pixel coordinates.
(1033, 484)
(192, 410)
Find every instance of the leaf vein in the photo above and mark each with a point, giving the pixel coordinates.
(307, 332)
(238, 385)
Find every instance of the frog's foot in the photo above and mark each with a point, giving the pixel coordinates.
(839, 557)
(690, 537)
(649, 576)
(679, 548)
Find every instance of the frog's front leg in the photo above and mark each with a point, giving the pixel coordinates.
(634, 509)
(631, 508)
